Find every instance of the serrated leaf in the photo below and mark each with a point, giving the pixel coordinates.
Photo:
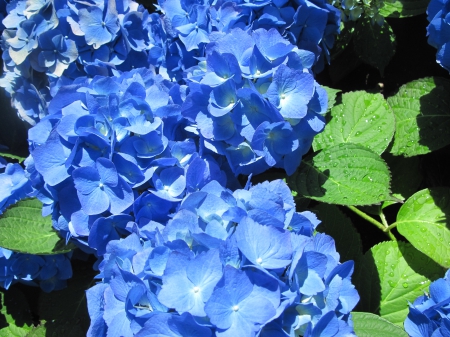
(374, 44)
(389, 275)
(340, 228)
(39, 331)
(361, 118)
(422, 116)
(24, 230)
(11, 156)
(404, 8)
(406, 176)
(366, 324)
(332, 94)
(13, 331)
(423, 220)
(344, 174)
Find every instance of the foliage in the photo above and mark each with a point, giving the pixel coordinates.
(156, 146)
(23, 229)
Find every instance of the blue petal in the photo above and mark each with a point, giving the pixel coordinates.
(267, 246)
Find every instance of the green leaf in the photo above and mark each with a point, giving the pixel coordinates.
(340, 228)
(404, 8)
(423, 220)
(406, 176)
(374, 44)
(366, 324)
(11, 156)
(332, 94)
(344, 174)
(422, 116)
(361, 118)
(13, 331)
(24, 230)
(39, 331)
(389, 275)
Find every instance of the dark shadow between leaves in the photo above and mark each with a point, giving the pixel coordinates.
(441, 197)
(17, 306)
(66, 329)
(308, 181)
(434, 120)
(420, 263)
(62, 247)
(316, 180)
(65, 311)
(367, 282)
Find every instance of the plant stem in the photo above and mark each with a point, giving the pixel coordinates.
(383, 219)
(367, 217)
(392, 226)
(387, 227)
(391, 236)
(373, 222)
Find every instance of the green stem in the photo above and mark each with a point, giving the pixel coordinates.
(373, 222)
(383, 219)
(387, 227)
(392, 226)
(391, 235)
(367, 217)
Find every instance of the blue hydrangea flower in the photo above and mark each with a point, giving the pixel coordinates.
(188, 284)
(14, 186)
(99, 26)
(101, 188)
(235, 307)
(430, 314)
(50, 272)
(236, 263)
(438, 31)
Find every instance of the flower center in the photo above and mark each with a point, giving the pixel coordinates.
(235, 308)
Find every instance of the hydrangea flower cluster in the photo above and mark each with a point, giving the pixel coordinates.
(112, 138)
(438, 31)
(141, 124)
(14, 185)
(44, 41)
(429, 315)
(50, 272)
(240, 263)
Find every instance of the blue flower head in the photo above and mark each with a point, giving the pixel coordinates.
(99, 26)
(236, 307)
(430, 313)
(14, 186)
(101, 189)
(438, 31)
(189, 283)
(54, 54)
